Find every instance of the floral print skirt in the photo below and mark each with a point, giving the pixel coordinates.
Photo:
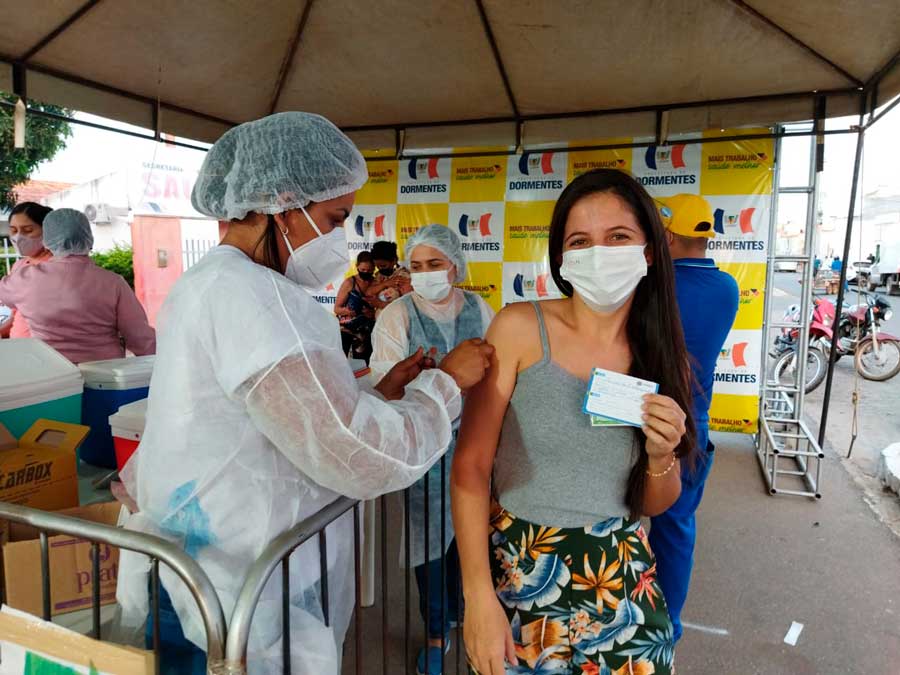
(582, 601)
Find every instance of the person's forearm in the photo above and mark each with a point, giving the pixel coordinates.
(376, 288)
(663, 485)
(471, 505)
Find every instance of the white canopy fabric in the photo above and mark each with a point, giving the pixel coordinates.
(376, 66)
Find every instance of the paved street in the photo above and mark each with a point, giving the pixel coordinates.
(878, 417)
(879, 402)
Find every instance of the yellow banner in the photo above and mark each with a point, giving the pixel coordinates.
(501, 207)
(486, 279)
(582, 161)
(737, 167)
(381, 187)
(527, 231)
(751, 278)
(478, 179)
(410, 217)
(730, 412)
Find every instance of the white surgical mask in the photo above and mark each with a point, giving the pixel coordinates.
(27, 246)
(604, 276)
(433, 286)
(319, 261)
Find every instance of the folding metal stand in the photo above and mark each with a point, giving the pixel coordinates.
(789, 456)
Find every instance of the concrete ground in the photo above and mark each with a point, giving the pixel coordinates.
(761, 563)
(764, 562)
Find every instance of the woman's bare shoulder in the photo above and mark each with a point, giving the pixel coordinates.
(515, 334)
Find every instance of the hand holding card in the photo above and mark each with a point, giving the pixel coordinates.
(664, 425)
(618, 397)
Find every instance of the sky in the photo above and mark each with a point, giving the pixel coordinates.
(91, 153)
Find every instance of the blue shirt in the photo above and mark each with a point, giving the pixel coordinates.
(835, 265)
(708, 302)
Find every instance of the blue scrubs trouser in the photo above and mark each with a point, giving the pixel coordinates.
(178, 656)
(672, 537)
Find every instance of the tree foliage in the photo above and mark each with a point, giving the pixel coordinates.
(44, 137)
(119, 260)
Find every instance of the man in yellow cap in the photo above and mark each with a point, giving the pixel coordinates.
(708, 302)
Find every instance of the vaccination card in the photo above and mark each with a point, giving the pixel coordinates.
(597, 421)
(617, 397)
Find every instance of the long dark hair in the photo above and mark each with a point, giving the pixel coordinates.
(34, 211)
(268, 242)
(658, 350)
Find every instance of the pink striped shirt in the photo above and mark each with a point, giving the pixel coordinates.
(79, 309)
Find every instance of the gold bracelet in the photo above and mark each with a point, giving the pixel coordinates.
(671, 464)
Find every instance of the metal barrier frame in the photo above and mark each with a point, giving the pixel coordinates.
(782, 432)
(279, 552)
(158, 550)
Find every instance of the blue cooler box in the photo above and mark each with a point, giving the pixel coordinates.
(108, 385)
(36, 382)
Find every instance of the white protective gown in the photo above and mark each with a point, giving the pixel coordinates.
(404, 326)
(255, 422)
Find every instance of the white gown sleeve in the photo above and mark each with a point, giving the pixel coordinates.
(345, 439)
(390, 339)
(277, 351)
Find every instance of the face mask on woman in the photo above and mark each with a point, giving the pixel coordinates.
(27, 246)
(366, 276)
(433, 286)
(319, 261)
(604, 276)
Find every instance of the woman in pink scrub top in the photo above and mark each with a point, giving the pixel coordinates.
(27, 235)
(81, 310)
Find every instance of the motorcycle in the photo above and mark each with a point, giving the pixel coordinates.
(785, 348)
(858, 333)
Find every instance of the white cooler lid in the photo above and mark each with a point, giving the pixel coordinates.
(117, 374)
(31, 371)
(131, 417)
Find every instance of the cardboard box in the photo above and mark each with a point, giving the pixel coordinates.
(40, 469)
(71, 566)
(30, 645)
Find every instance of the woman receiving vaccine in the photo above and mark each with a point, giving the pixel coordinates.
(437, 317)
(557, 573)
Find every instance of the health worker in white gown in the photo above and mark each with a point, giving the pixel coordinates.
(255, 420)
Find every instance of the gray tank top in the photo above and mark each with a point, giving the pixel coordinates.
(552, 467)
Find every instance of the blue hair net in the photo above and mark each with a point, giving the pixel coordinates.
(275, 164)
(443, 239)
(67, 232)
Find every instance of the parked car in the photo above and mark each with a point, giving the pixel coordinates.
(885, 271)
(786, 266)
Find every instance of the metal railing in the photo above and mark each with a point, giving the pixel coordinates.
(158, 550)
(279, 552)
(8, 255)
(228, 644)
(193, 250)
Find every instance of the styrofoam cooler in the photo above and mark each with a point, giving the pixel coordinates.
(127, 429)
(108, 385)
(37, 382)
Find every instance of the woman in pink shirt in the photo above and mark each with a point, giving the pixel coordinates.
(27, 234)
(83, 311)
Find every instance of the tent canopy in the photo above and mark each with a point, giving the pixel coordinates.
(497, 71)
